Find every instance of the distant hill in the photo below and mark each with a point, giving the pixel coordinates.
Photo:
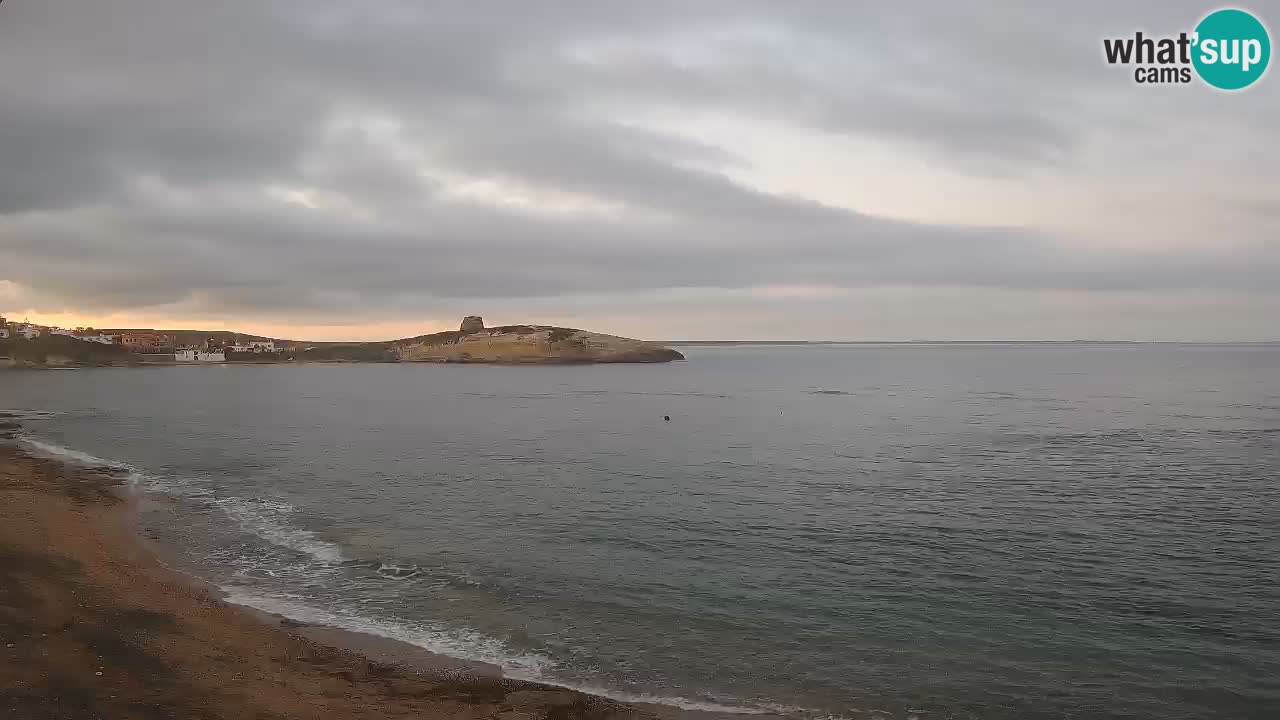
(196, 338)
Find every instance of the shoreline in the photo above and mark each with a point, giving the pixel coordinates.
(94, 622)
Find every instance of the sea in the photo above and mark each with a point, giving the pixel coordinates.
(927, 531)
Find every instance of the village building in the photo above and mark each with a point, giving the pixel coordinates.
(147, 342)
(191, 355)
(252, 346)
(88, 334)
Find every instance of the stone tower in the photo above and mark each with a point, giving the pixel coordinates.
(472, 324)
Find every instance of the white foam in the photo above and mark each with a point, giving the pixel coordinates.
(266, 519)
(133, 475)
(269, 520)
(458, 644)
(682, 703)
(398, 572)
(75, 456)
(463, 645)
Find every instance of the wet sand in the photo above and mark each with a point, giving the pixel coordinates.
(93, 625)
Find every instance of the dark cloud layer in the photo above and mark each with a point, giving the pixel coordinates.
(296, 159)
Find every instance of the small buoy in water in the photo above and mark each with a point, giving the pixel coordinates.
(667, 418)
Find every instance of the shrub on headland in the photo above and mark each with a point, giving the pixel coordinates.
(355, 352)
(558, 334)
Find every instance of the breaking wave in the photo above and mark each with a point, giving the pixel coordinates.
(133, 475)
(269, 521)
(451, 643)
(459, 644)
(265, 519)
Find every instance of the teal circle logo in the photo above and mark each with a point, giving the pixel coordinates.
(1232, 49)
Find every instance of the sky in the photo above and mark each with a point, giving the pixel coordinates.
(752, 169)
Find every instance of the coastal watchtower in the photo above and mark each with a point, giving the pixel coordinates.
(472, 324)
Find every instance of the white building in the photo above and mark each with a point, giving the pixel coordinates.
(191, 356)
(4, 332)
(253, 346)
(61, 331)
(100, 339)
(28, 331)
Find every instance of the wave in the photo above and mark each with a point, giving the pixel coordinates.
(265, 519)
(676, 701)
(76, 457)
(451, 643)
(404, 570)
(463, 645)
(133, 476)
(398, 572)
(269, 521)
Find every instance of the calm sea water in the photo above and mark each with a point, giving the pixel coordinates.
(939, 532)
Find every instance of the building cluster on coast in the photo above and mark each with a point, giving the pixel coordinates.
(153, 345)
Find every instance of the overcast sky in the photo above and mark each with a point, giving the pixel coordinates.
(790, 170)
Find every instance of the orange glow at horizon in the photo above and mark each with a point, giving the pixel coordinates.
(355, 331)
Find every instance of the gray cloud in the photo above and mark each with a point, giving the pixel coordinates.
(148, 151)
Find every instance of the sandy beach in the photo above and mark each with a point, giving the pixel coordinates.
(94, 625)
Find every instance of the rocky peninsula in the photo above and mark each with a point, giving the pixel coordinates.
(472, 342)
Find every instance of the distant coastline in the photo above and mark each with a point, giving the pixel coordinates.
(899, 343)
(27, 346)
(41, 347)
